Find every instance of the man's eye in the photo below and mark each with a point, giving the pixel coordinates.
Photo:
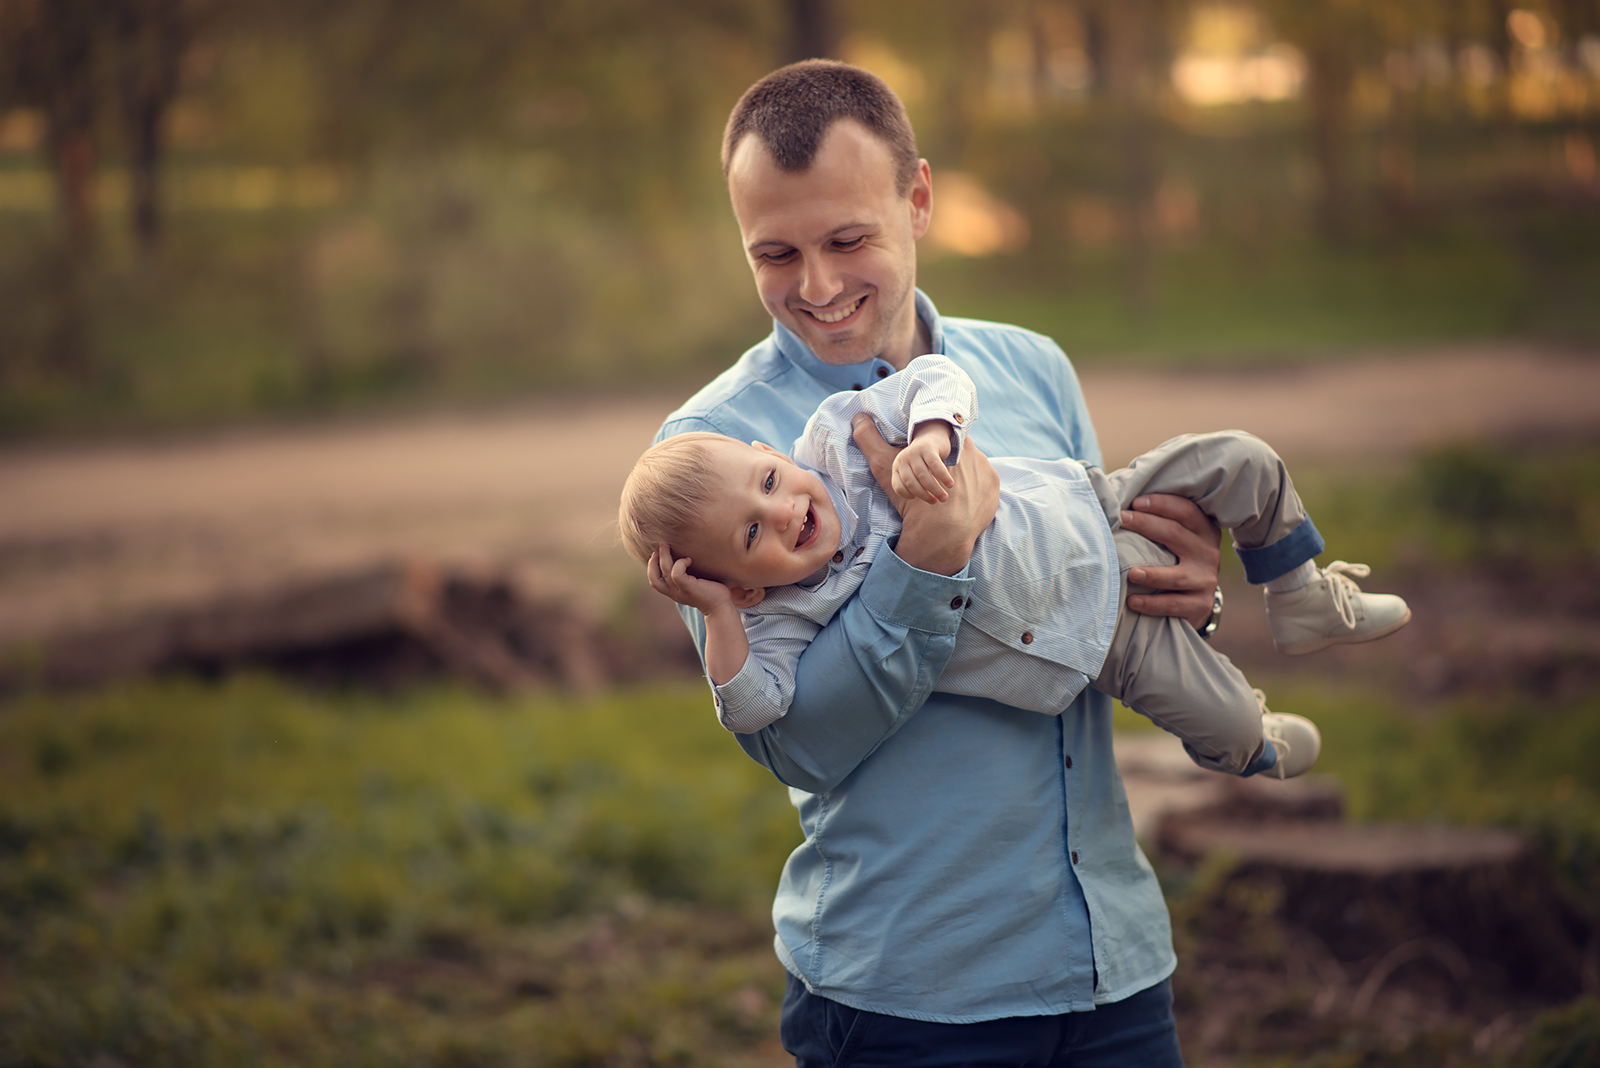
(772, 478)
(847, 246)
(750, 535)
(779, 257)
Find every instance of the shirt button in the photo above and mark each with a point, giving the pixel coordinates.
(856, 386)
(955, 602)
(1074, 856)
(1069, 760)
(883, 372)
(958, 419)
(838, 556)
(1027, 637)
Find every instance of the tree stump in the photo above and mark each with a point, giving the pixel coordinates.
(1478, 903)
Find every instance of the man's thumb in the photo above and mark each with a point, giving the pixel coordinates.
(867, 438)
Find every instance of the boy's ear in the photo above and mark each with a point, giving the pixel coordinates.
(747, 597)
(763, 446)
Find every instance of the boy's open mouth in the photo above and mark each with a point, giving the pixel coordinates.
(808, 530)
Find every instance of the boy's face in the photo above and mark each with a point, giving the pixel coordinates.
(772, 522)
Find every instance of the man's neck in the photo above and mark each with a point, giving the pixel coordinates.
(920, 343)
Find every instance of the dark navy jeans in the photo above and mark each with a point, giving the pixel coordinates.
(1137, 1032)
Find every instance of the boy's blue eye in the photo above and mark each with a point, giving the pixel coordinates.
(771, 478)
(750, 535)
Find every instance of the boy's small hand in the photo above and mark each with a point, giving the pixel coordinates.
(671, 578)
(919, 470)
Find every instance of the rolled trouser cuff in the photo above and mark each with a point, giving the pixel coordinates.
(1268, 562)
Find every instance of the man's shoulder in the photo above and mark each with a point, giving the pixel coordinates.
(959, 328)
(1001, 356)
(722, 405)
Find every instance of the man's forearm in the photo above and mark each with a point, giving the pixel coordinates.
(863, 675)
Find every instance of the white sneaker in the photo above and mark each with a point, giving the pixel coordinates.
(1332, 610)
(1296, 739)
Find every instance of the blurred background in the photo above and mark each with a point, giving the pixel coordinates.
(334, 727)
(214, 209)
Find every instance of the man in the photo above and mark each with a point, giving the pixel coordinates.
(969, 891)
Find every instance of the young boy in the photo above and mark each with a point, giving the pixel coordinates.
(767, 548)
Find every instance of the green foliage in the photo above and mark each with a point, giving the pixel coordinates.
(526, 198)
(247, 872)
(1567, 1037)
(1219, 304)
(1530, 509)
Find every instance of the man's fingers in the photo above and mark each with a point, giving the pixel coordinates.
(870, 442)
(1180, 511)
(1180, 578)
(1190, 606)
(879, 453)
(1177, 524)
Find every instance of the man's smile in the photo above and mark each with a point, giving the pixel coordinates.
(837, 314)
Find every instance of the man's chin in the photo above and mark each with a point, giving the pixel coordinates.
(839, 350)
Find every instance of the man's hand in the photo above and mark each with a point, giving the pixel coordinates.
(671, 578)
(936, 538)
(919, 469)
(1178, 525)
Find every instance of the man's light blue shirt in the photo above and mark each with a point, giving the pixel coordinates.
(964, 860)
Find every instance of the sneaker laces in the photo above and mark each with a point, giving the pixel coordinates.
(1344, 591)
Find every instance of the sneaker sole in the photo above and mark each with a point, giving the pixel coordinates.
(1316, 644)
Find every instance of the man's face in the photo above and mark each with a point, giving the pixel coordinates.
(771, 522)
(833, 249)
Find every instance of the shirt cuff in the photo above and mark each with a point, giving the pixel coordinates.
(906, 596)
(738, 701)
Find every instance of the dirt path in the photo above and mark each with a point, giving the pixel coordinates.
(93, 531)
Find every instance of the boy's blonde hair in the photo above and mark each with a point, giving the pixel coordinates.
(666, 493)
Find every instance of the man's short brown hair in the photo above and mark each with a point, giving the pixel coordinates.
(792, 108)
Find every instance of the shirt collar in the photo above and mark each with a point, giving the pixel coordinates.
(855, 375)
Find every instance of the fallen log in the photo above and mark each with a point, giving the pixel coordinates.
(385, 624)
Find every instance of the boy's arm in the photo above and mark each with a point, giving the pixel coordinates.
(726, 647)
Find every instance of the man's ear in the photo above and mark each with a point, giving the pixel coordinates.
(921, 197)
(747, 597)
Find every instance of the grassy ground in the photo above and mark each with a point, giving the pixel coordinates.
(241, 872)
(197, 874)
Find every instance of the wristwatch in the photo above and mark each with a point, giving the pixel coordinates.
(1214, 620)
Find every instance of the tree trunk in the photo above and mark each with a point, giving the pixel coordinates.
(813, 33)
(1330, 79)
(151, 38)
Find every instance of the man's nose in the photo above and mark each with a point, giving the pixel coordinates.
(819, 282)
